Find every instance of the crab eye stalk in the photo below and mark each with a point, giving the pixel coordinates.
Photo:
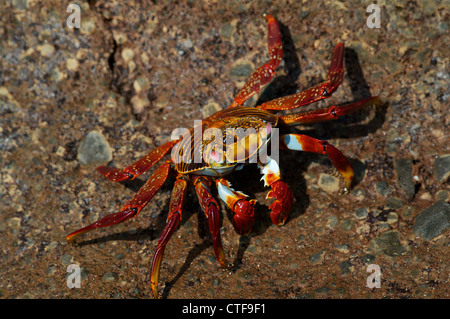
(214, 156)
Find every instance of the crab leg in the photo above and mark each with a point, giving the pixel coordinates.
(138, 167)
(174, 217)
(244, 210)
(329, 113)
(266, 72)
(133, 206)
(317, 92)
(211, 208)
(284, 199)
(305, 143)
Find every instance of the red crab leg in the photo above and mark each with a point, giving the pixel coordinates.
(317, 92)
(244, 210)
(138, 167)
(211, 208)
(329, 113)
(174, 217)
(284, 199)
(264, 73)
(133, 206)
(305, 143)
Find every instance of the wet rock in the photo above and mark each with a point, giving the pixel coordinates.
(442, 168)
(433, 221)
(389, 244)
(403, 170)
(94, 149)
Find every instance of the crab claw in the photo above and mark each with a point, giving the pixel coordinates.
(244, 217)
(282, 205)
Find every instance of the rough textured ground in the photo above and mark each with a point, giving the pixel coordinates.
(135, 70)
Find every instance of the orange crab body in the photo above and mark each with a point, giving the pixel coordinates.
(225, 142)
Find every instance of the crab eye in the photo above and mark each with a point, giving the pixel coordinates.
(268, 128)
(265, 132)
(215, 156)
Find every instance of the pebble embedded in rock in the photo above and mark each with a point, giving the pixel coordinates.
(403, 169)
(94, 149)
(317, 258)
(328, 183)
(210, 109)
(346, 267)
(382, 188)
(389, 244)
(14, 223)
(139, 104)
(433, 221)
(110, 276)
(241, 70)
(47, 50)
(394, 203)
(72, 64)
(442, 168)
(362, 212)
(127, 54)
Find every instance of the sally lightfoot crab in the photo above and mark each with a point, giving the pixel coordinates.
(205, 161)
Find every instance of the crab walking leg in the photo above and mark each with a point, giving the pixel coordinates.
(284, 199)
(305, 143)
(133, 206)
(329, 113)
(137, 168)
(266, 72)
(317, 92)
(211, 208)
(173, 219)
(244, 210)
